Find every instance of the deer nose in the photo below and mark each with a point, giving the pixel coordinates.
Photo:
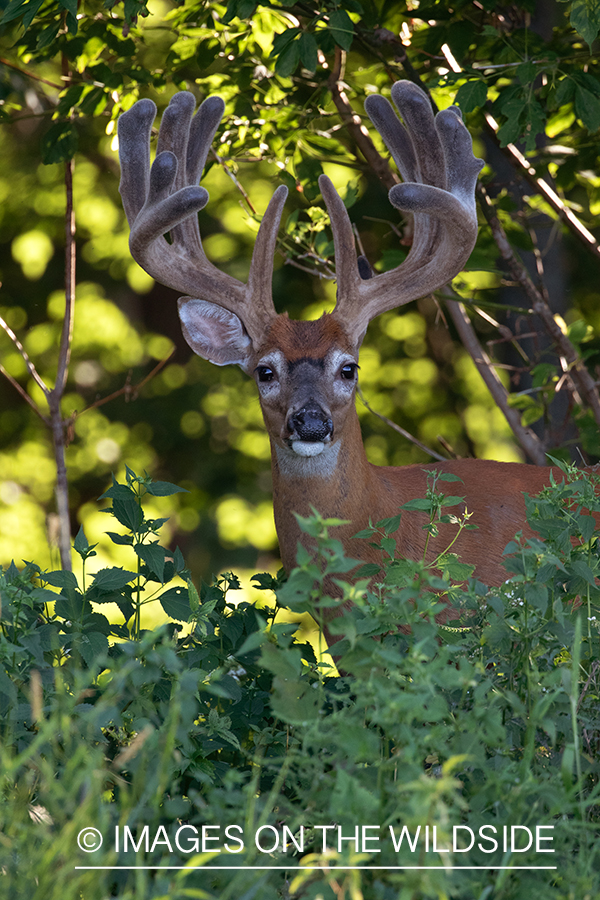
(310, 423)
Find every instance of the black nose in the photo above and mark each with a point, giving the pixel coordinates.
(310, 423)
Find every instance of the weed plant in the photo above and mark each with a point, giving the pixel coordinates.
(227, 743)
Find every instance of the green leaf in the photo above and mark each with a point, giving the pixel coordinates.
(61, 579)
(471, 95)
(91, 645)
(537, 596)
(451, 500)
(71, 7)
(308, 51)
(283, 40)
(32, 10)
(526, 72)
(390, 525)
(287, 61)
(585, 19)
(243, 9)
(59, 143)
(511, 130)
(587, 526)
(457, 571)
(193, 597)
(565, 91)
(176, 604)
(587, 107)
(252, 642)
(48, 35)
(117, 490)
(583, 570)
(221, 726)
(127, 511)
(419, 503)
(112, 579)
(232, 627)
(368, 570)
(120, 538)
(154, 557)
(80, 544)
(341, 28)
(7, 687)
(388, 545)
(18, 8)
(164, 489)
(566, 766)
(72, 607)
(178, 560)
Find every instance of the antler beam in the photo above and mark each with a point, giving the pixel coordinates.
(435, 158)
(166, 198)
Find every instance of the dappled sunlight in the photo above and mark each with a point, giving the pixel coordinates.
(240, 522)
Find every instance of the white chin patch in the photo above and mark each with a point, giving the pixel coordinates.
(308, 448)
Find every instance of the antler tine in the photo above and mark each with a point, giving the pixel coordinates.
(134, 154)
(436, 160)
(189, 140)
(394, 134)
(167, 197)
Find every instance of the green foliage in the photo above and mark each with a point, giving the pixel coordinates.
(492, 722)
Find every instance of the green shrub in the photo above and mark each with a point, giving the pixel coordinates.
(230, 729)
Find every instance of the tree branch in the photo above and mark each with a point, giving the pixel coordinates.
(23, 394)
(356, 129)
(571, 362)
(130, 391)
(405, 434)
(54, 397)
(23, 353)
(540, 186)
(526, 437)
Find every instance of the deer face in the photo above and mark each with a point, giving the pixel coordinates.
(306, 372)
(306, 375)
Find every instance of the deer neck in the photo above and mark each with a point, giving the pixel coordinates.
(335, 482)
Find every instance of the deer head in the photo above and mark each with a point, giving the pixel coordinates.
(306, 371)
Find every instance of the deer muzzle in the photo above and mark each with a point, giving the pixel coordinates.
(310, 428)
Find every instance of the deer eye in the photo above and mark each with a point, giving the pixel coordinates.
(348, 371)
(265, 373)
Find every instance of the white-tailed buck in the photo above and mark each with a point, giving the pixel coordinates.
(306, 372)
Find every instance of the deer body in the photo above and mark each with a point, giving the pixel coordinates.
(306, 372)
(340, 482)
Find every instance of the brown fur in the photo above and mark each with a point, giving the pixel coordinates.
(305, 339)
(359, 491)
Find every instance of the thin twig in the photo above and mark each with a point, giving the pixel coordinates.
(9, 65)
(566, 214)
(23, 353)
(528, 440)
(572, 361)
(405, 434)
(127, 389)
(23, 394)
(234, 178)
(593, 670)
(289, 261)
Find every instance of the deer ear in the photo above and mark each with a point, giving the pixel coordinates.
(214, 333)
